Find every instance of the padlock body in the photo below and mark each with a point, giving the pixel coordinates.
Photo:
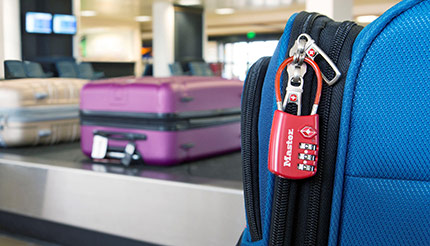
(293, 147)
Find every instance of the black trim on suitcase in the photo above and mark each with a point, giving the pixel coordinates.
(249, 131)
(284, 195)
(121, 136)
(321, 186)
(301, 209)
(158, 124)
(169, 116)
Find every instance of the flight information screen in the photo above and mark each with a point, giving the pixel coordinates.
(37, 22)
(64, 24)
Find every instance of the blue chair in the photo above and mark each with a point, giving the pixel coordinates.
(67, 69)
(176, 69)
(148, 70)
(200, 69)
(86, 71)
(14, 69)
(35, 70)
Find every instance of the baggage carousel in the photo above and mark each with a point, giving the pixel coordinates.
(57, 187)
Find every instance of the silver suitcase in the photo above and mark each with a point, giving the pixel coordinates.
(39, 111)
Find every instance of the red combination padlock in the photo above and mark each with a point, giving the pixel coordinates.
(293, 147)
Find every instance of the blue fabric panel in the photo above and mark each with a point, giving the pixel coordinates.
(385, 127)
(267, 109)
(385, 212)
(390, 118)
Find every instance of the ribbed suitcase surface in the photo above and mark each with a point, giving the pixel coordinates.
(169, 120)
(39, 111)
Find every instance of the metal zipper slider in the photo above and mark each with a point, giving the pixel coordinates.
(295, 71)
(294, 90)
(312, 50)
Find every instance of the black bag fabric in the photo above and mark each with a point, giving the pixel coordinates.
(298, 212)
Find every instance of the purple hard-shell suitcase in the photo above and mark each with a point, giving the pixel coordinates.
(162, 121)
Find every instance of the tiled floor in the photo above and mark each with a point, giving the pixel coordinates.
(10, 240)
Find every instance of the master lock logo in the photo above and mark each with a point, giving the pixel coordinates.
(289, 142)
(308, 132)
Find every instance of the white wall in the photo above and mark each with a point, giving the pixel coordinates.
(211, 51)
(339, 10)
(110, 40)
(110, 44)
(10, 32)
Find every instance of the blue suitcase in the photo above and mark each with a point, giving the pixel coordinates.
(372, 184)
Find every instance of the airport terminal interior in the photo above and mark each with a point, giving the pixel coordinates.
(120, 119)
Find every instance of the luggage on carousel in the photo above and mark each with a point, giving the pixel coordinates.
(161, 121)
(39, 111)
(358, 175)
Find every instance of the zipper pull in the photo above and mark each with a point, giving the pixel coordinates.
(293, 145)
(312, 50)
(295, 71)
(294, 89)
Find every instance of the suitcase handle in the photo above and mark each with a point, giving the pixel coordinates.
(121, 135)
(186, 99)
(127, 156)
(40, 95)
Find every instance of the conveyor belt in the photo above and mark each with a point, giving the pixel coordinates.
(195, 203)
(224, 167)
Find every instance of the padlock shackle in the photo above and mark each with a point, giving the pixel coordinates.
(281, 68)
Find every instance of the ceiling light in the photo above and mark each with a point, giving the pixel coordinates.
(224, 11)
(366, 18)
(142, 18)
(88, 13)
(189, 2)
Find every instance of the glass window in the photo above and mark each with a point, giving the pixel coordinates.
(239, 56)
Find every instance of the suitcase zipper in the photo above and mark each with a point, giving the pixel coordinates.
(164, 116)
(307, 25)
(157, 124)
(249, 125)
(39, 114)
(312, 217)
(281, 201)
